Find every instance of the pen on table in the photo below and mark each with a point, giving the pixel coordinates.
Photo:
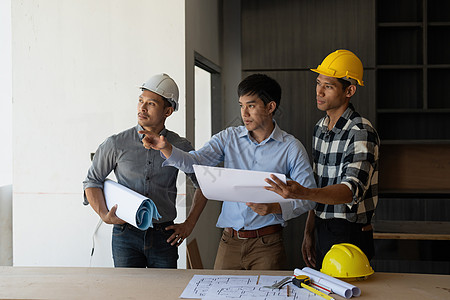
(303, 281)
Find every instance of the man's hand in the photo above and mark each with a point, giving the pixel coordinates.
(153, 141)
(181, 232)
(156, 142)
(331, 194)
(309, 250)
(112, 218)
(289, 190)
(264, 209)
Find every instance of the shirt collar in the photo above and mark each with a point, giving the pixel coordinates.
(341, 122)
(141, 136)
(276, 134)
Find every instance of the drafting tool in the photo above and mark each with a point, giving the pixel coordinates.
(279, 284)
(303, 281)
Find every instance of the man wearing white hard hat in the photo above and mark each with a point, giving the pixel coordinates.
(141, 170)
(345, 164)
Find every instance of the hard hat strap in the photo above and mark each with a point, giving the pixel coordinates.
(351, 80)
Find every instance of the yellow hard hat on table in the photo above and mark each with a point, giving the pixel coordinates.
(346, 261)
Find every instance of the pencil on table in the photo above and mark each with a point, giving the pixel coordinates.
(287, 291)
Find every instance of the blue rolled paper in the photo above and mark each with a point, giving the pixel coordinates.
(132, 207)
(146, 213)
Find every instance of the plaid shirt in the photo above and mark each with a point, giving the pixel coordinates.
(347, 154)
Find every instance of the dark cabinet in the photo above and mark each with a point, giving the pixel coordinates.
(413, 70)
(413, 121)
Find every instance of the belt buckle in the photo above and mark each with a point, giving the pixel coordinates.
(239, 237)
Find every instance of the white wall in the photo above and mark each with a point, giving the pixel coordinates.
(76, 65)
(5, 134)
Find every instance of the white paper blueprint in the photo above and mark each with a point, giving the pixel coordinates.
(200, 284)
(132, 207)
(209, 287)
(225, 184)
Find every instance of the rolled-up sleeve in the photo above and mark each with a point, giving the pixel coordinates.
(359, 164)
(102, 165)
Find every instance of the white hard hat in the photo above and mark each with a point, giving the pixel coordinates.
(164, 86)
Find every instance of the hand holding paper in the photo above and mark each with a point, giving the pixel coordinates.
(290, 189)
(133, 208)
(111, 217)
(263, 209)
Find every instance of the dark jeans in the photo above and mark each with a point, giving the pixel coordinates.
(134, 248)
(336, 231)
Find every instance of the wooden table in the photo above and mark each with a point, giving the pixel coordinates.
(110, 283)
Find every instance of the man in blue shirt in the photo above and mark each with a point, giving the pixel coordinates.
(252, 236)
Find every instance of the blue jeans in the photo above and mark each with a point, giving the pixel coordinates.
(134, 248)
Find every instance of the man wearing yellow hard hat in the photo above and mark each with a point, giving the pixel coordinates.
(345, 165)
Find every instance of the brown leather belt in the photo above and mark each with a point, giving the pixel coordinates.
(250, 234)
(367, 227)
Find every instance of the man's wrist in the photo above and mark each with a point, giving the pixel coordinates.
(276, 208)
(190, 221)
(167, 150)
(102, 215)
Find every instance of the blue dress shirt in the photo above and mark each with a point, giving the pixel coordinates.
(279, 153)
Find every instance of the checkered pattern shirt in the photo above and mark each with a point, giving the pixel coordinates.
(347, 154)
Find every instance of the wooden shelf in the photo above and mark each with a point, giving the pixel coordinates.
(438, 23)
(400, 24)
(396, 67)
(412, 230)
(409, 67)
(413, 110)
(411, 236)
(414, 142)
(439, 66)
(404, 193)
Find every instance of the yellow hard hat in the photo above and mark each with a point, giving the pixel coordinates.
(342, 64)
(346, 261)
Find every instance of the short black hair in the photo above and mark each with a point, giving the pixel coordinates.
(265, 87)
(167, 103)
(345, 83)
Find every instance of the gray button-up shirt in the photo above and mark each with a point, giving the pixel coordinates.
(138, 168)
